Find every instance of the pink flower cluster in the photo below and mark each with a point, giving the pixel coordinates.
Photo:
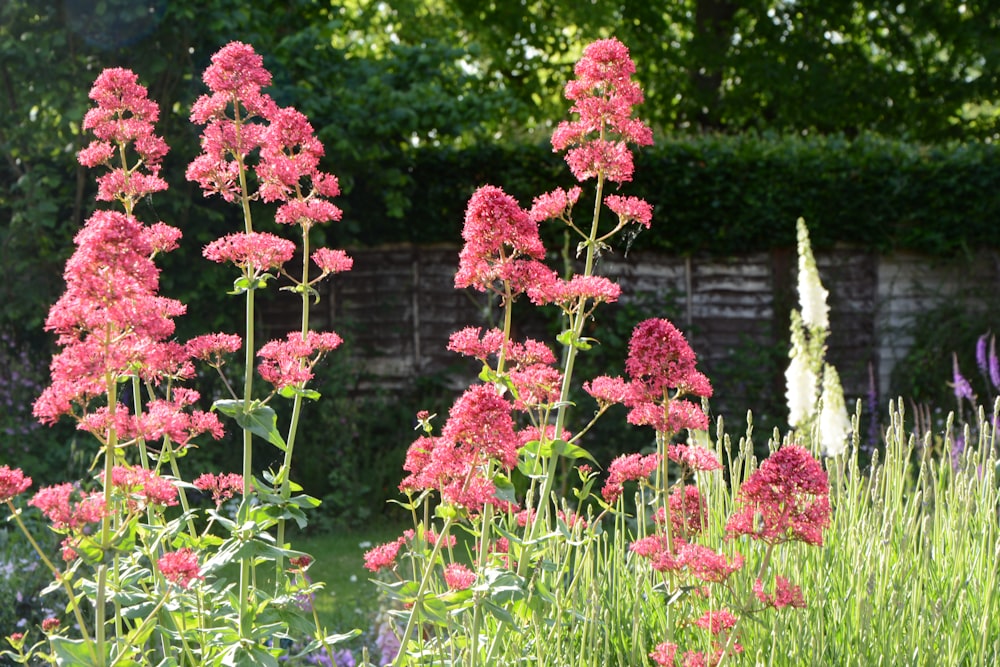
(221, 486)
(603, 96)
(143, 488)
(124, 116)
(240, 119)
(501, 243)
(479, 430)
(289, 362)
(686, 558)
(786, 499)
(661, 366)
(12, 483)
(627, 467)
(180, 567)
(67, 508)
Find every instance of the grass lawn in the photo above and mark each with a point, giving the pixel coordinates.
(348, 599)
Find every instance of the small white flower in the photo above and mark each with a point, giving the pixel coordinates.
(365, 545)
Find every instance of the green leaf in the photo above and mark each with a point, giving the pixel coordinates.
(504, 489)
(259, 419)
(292, 392)
(73, 652)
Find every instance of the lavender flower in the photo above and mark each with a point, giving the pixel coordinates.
(962, 387)
(993, 364)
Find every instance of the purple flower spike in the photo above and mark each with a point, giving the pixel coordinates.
(994, 364)
(981, 353)
(962, 387)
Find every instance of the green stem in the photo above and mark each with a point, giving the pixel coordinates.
(424, 580)
(100, 613)
(286, 467)
(245, 564)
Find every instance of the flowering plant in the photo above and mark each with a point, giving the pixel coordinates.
(540, 563)
(143, 568)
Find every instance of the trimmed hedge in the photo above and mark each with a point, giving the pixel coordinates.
(724, 195)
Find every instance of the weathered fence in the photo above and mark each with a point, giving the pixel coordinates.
(401, 305)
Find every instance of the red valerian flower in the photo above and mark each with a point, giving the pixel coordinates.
(555, 204)
(664, 653)
(58, 505)
(254, 252)
(716, 621)
(143, 487)
(458, 577)
(180, 567)
(785, 594)
(12, 483)
(289, 362)
(384, 555)
(630, 209)
(332, 261)
(786, 499)
(603, 96)
(50, 624)
(221, 486)
(500, 240)
(688, 511)
(627, 467)
(698, 459)
(211, 347)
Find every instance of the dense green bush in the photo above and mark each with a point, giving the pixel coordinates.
(725, 195)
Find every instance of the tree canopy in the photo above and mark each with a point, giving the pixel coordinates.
(380, 78)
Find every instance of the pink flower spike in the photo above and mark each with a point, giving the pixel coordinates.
(12, 483)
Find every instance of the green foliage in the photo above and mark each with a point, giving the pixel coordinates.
(925, 373)
(723, 195)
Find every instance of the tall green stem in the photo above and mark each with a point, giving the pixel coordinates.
(248, 345)
(286, 468)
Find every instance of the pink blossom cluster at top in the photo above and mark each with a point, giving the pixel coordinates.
(124, 117)
(786, 499)
(603, 96)
(240, 119)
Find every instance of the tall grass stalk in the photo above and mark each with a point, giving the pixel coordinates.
(908, 571)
